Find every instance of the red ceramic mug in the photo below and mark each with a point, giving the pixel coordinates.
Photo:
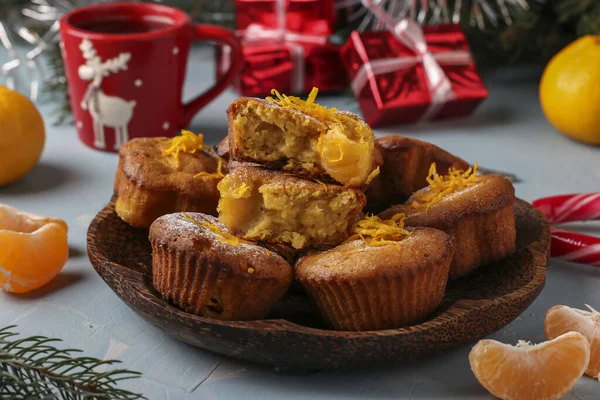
(125, 65)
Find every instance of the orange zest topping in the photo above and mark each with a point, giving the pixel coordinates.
(308, 106)
(376, 232)
(325, 187)
(242, 192)
(443, 185)
(222, 236)
(217, 174)
(187, 142)
(372, 175)
(190, 143)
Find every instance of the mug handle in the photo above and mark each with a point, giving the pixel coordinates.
(221, 35)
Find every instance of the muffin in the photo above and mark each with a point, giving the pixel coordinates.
(406, 163)
(361, 285)
(158, 176)
(222, 148)
(477, 211)
(301, 137)
(275, 207)
(199, 266)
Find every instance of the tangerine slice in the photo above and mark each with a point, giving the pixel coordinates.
(33, 249)
(560, 319)
(546, 371)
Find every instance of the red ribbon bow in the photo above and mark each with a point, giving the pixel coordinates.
(411, 35)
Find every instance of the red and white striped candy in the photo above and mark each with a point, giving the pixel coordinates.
(575, 247)
(571, 246)
(570, 207)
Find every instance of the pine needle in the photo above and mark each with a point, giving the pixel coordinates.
(32, 368)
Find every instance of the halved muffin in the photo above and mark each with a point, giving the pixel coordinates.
(301, 137)
(198, 265)
(362, 285)
(158, 176)
(276, 207)
(406, 163)
(477, 211)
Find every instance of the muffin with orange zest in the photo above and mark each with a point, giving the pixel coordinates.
(404, 166)
(198, 265)
(280, 208)
(477, 211)
(158, 176)
(383, 277)
(301, 137)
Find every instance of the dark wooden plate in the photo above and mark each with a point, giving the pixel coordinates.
(294, 336)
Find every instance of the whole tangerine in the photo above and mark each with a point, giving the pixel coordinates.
(22, 135)
(570, 90)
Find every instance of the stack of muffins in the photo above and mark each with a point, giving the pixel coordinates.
(291, 208)
(305, 190)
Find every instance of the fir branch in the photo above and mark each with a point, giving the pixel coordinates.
(589, 23)
(571, 9)
(8, 5)
(33, 368)
(55, 88)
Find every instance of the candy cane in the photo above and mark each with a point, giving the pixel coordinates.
(567, 245)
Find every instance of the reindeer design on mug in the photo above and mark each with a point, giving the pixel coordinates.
(106, 111)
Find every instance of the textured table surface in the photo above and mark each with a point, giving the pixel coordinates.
(73, 182)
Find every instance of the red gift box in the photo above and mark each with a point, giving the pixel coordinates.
(308, 16)
(290, 63)
(406, 74)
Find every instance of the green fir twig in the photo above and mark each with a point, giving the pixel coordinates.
(33, 368)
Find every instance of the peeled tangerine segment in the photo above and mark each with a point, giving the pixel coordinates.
(561, 319)
(546, 371)
(33, 249)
